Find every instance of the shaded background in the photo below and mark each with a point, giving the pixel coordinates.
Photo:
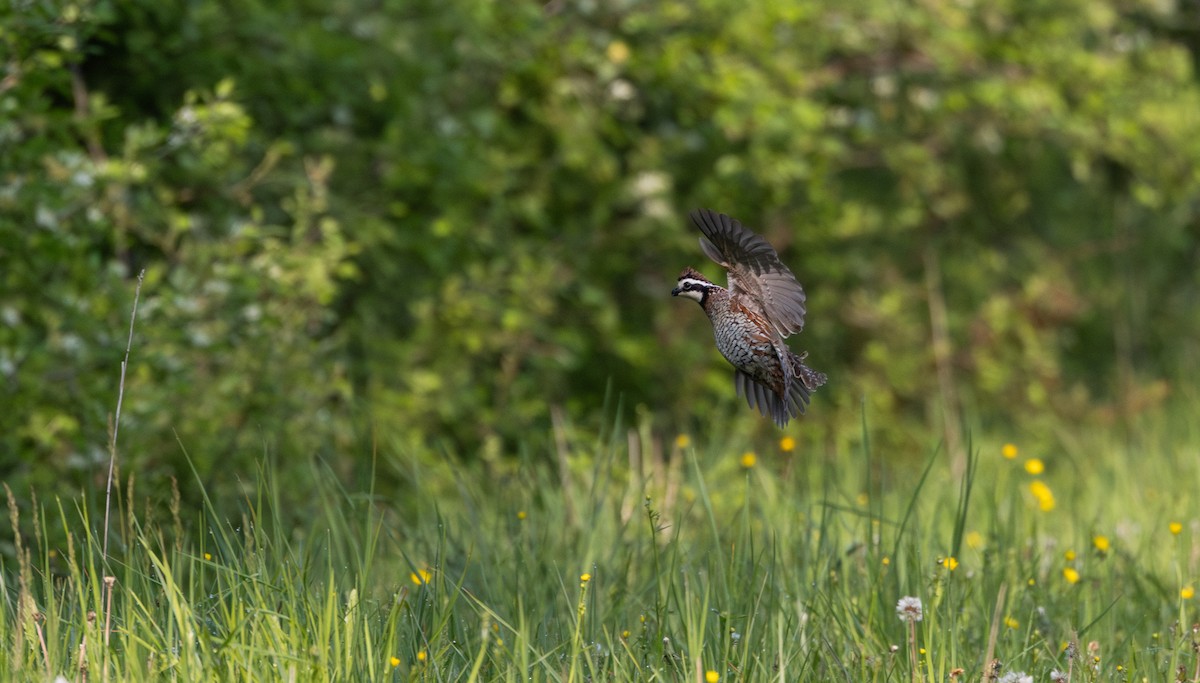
(433, 227)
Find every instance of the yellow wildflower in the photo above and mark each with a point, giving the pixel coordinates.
(1069, 556)
(1070, 575)
(1011, 622)
(394, 661)
(1187, 593)
(951, 563)
(1175, 528)
(749, 459)
(208, 556)
(974, 540)
(683, 441)
(1009, 451)
(1101, 543)
(787, 444)
(711, 676)
(585, 577)
(1035, 466)
(421, 656)
(1043, 494)
(421, 576)
(521, 514)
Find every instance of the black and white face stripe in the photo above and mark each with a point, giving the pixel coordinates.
(693, 288)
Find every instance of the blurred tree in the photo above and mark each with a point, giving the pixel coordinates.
(236, 343)
(459, 214)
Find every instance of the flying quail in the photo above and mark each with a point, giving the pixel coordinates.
(763, 305)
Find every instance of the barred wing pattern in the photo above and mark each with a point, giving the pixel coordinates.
(755, 270)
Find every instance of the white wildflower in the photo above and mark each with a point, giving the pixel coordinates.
(909, 609)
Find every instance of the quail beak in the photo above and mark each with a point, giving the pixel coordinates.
(676, 291)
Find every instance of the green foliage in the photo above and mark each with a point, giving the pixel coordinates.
(633, 560)
(237, 323)
(444, 220)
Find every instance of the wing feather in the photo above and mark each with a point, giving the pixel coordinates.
(761, 398)
(754, 268)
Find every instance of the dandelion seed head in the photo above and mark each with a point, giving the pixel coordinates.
(909, 609)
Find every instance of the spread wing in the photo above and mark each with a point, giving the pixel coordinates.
(755, 270)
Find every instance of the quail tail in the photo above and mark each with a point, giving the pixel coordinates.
(811, 378)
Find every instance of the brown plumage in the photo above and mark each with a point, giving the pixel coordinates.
(762, 306)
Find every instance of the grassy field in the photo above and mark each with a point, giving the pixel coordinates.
(630, 557)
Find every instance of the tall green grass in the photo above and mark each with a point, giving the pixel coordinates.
(635, 557)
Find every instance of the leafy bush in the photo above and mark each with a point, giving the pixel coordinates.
(449, 219)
